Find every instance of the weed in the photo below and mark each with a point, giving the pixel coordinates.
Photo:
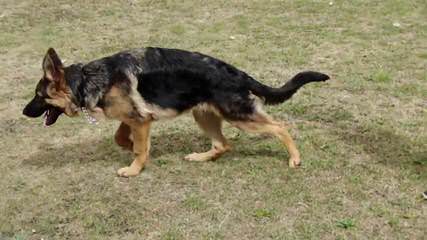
(345, 223)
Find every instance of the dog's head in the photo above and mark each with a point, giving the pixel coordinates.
(52, 95)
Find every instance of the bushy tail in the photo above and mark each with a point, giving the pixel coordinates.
(279, 95)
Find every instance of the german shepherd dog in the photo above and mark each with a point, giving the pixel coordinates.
(140, 86)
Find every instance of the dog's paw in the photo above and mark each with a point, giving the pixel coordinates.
(294, 162)
(198, 157)
(128, 172)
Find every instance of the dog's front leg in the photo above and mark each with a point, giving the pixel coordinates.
(122, 137)
(141, 148)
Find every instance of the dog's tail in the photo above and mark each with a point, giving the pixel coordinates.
(279, 95)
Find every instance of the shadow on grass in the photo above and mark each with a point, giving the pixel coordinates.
(381, 143)
(105, 150)
(386, 147)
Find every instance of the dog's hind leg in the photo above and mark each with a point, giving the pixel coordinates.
(260, 122)
(122, 137)
(141, 148)
(211, 125)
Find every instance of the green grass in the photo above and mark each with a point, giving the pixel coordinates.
(361, 135)
(345, 223)
(262, 213)
(381, 76)
(194, 203)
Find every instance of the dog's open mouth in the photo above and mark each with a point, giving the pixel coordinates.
(51, 115)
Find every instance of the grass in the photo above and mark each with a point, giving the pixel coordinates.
(362, 135)
(345, 223)
(381, 76)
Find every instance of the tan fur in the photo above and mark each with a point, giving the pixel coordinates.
(141, 147)
(145, 109)
(61, 97)
(262, 123)
(118, 105)
(123, 137)
(211, 125)
(57, 90)
(208, 108)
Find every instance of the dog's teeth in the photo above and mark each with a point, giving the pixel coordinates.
(45, 118)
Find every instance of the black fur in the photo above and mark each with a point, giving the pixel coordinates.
(89, 82)
(179, 80)
(279, 95)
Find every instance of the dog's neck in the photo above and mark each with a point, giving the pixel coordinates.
(75, 79)
(76, 82)
(87, 84)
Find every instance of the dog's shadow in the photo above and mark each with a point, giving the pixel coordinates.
(383, 146)
(386, 147)
(105, 150)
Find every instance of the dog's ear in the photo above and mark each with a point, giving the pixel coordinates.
(52, 66)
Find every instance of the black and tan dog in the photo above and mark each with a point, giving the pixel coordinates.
(140, 86)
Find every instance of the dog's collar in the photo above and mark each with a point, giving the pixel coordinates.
(88, 117)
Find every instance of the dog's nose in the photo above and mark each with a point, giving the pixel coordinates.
(27, 112)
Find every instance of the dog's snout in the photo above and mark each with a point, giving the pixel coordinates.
(35, 108)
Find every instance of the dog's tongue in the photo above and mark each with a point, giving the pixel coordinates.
(51, 116)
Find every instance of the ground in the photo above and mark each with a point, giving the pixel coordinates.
(362, 135)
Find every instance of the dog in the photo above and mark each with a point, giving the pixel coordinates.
(141, 86)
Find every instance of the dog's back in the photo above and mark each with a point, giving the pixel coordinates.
(179, 79)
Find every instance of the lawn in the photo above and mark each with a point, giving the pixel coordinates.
(362, 135)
